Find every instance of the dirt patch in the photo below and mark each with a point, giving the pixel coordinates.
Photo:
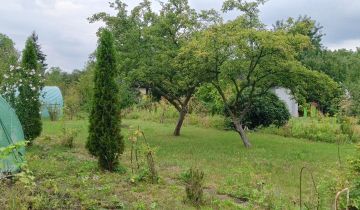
(213, 193)
(171, 181)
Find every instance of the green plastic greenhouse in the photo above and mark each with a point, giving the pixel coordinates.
(10, 133)
(52, 101)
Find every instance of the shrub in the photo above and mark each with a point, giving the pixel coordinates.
(28, 103)
(68, 137)
(265, 111)
(142, 158)
(210, 99)
(194, 181)
(346, 127)
(105, 141)
(72, 103)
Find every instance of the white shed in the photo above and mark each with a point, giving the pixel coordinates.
(286, 96)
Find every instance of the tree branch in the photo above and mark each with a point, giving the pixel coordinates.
(169, 98)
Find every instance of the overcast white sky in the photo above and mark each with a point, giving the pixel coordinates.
(67, 38)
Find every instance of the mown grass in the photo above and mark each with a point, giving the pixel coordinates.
(263, 177)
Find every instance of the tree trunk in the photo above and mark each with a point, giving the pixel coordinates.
(239, 129)
(182, 114)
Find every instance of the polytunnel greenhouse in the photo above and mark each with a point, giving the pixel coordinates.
(10, 133)
(52, 102)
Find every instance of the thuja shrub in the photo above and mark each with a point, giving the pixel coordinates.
(194, 186)
(30, 83)
(105, 141)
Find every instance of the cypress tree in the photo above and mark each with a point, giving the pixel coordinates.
(41, 57)
(105, 141)
(28, 103)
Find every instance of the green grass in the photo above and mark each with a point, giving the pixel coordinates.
(267, 174)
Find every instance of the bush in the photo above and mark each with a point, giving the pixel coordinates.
(68, 137)
(265, 111)
(72, 103)
(142, 159)
(28, 103)
(194, 181)
(210, 99)
(346, 127)
(105, 141)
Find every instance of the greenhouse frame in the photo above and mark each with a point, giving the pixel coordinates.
(52, 102)
(11, 133)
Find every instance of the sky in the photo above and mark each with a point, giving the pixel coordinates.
(67, 38)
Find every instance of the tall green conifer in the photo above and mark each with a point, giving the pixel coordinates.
(105, 141)
(28, 103)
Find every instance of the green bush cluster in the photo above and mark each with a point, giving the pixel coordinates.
(324, 129)
(194, 186)
(265, 111)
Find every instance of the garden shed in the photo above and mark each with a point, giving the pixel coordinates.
(10, 133)
(286, 96)
(52, 101)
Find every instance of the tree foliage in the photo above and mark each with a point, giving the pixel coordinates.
(248, 60)
(265, 111)
(72, 102)
(176, 51)
(8, 56)
(150, 45)
(55, 76)
(39, 53)
(105, 141)
(30, 83)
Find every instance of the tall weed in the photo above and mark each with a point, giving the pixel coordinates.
(325, 129)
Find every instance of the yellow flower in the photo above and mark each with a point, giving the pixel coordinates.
(138, 132)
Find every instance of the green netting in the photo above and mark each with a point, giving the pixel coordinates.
(10, 132)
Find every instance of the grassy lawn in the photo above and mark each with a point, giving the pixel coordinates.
(263, 177)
